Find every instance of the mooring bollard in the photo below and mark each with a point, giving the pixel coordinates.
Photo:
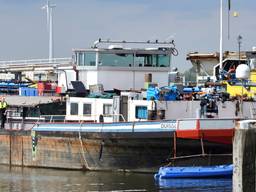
(244, 156)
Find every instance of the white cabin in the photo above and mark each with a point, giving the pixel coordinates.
(123, 108)
(122, 68)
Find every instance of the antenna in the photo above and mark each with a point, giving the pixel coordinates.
(49, 7)
(170, 37)
(229, 7)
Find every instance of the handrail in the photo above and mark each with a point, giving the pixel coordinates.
(81, 117)
(203, 119)
(96, 116)
(36, 61)
(51, 117)
(156, 42)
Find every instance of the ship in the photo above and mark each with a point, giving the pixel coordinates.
(119, 108)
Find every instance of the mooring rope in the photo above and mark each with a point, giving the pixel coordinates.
(82, 149)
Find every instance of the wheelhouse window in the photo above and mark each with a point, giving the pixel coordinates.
(141, 112)
(162, 60)
(149, 60)
(107, 109)
(85, 58)
(87, 109)
(73, 108)
(117, 60)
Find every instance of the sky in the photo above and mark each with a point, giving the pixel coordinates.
(194, 25)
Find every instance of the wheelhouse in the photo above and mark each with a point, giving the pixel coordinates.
(120, 67)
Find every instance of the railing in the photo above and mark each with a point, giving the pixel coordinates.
(63, 118)
(37, 61)
(16, 122)
(206, 123)
(52, 118)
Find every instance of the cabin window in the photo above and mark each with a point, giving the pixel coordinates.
(141, 112)
(31, 112)
(116, 60)
(87, 109)
(73, 108)
(107, 109)
(81, 58)
(90, 58)
(85, 58)
(162, 60)
(146, 60)
(141, 60)
(40, 77)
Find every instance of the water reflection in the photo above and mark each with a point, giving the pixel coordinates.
(41, 180)
(37, 180)
(222, 184)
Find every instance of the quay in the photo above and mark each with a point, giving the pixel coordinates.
(244, 157)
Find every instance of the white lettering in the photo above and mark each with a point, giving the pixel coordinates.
(168, 125)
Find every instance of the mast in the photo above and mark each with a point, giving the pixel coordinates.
(49, 9)
(221, 41)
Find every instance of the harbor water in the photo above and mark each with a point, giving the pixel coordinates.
(18, 179)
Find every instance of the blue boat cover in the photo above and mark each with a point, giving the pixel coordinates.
(194, 172)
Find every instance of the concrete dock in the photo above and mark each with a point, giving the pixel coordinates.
(244, 157)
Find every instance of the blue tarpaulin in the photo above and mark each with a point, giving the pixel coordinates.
(168, 93)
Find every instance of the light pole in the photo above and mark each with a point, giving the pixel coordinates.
(49, 9)
(239, 41)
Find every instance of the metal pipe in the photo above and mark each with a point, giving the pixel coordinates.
(156, 42)
(37, 61)
(221, 32)
(239, 40)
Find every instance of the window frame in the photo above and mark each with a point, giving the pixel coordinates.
(90, 109)
(128, 56)
(111, 109)
(71, 109)
(136, 111)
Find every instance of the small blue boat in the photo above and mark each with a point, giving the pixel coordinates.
(194, 172)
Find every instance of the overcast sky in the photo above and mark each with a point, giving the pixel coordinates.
(78, 23)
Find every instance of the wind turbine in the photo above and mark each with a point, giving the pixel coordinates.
(49, 10)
